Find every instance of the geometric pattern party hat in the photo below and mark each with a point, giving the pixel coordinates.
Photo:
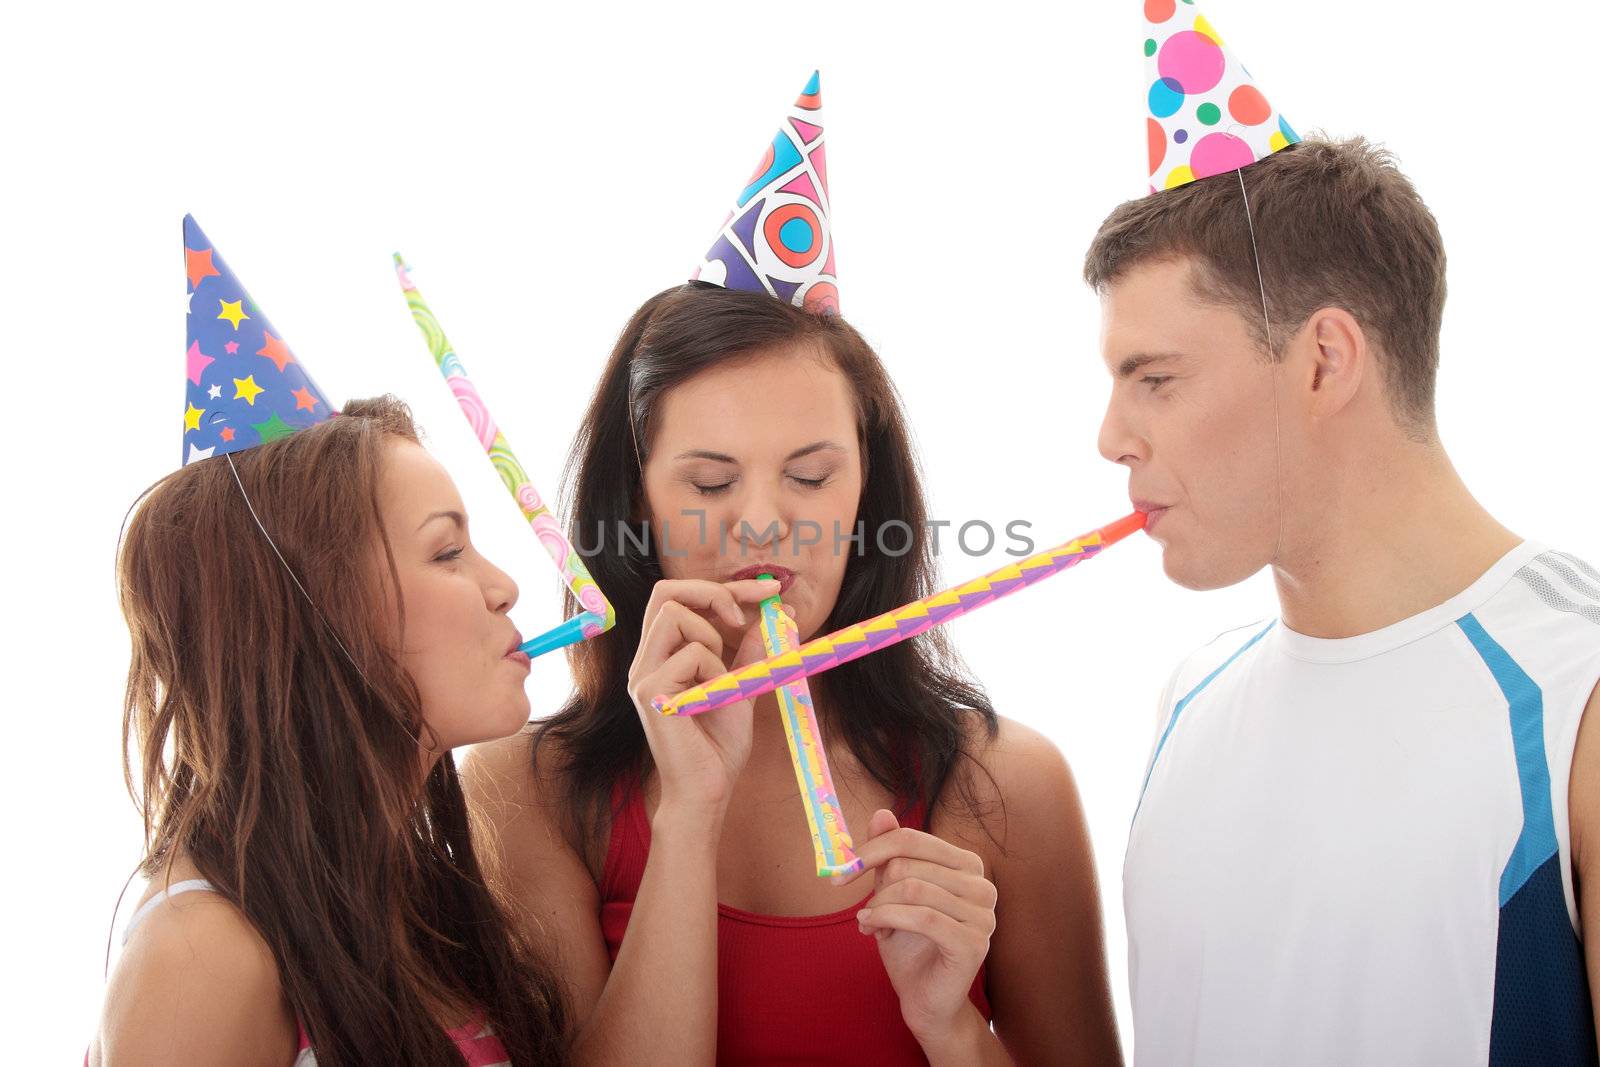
(777, 239)
(244, 385)
(1206, 115)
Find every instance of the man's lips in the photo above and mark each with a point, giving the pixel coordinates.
(784, 575)
(1151, 511)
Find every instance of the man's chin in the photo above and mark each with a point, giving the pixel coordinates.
(1200, 571)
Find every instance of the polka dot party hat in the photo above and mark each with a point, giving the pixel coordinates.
(1206, 115)
(777, 239)
(245, 386)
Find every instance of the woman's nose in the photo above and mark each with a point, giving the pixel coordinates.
(761, 522)
(499, 590)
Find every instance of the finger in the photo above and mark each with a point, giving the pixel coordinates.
(951, 937)
(701, 595)
(917, 893)
(914, 844)
(753, 590)
(673, 627)
(689, 665)
(882, 822)
(964, 884)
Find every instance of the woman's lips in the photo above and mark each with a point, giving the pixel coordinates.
(515, 652)
(784, 575)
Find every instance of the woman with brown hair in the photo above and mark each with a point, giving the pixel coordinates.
(668, 857)
(750, 430)
(295, 757)
(295, 760)
(313, 632)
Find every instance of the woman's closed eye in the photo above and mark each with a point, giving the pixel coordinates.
(450, 554)
(805, 479)
(810, 481)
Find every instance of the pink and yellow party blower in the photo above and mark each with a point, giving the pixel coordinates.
(892, 627)
(830, 837)
(598, 615)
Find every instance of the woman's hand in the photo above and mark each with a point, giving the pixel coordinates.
(932, 911)
(697, 757)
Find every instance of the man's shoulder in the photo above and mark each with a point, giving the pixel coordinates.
(1566, 586)
(1216, 654)
(1547, 614)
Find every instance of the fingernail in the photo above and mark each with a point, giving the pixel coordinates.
(864, 914)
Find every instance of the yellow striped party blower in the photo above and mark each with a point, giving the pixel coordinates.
(830, 837)
(892, 627)
(597, 616)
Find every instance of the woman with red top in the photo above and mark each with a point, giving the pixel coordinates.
(667, 861)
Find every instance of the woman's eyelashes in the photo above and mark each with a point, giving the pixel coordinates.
(805, 479)
(812, 479)
(450, 554)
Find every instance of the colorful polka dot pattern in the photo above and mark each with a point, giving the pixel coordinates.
(777, 239)
(1206, 115)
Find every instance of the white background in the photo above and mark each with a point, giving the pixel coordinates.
(545, 171)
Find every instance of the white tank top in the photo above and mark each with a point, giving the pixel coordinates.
(1356, 851)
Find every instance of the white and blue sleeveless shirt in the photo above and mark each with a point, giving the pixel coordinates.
(1357, 852)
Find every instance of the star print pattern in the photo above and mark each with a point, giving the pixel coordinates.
(245, 386)
(233, 312)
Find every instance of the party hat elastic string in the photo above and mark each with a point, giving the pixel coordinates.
(292, 576)
(1277, 369)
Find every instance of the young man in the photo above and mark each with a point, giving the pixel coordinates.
(1370, 829)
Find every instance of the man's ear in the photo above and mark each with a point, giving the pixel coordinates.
(1339, 358)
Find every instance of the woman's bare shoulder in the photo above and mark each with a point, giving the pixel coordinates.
(191, 987)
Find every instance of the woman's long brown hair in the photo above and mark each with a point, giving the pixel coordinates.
(908, 713)
(278, 750)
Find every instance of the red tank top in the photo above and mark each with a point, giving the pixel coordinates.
(791, 989)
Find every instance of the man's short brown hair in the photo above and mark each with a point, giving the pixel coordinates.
(1336, 225)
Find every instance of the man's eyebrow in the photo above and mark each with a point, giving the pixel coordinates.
(454, 516)
(1137, 362)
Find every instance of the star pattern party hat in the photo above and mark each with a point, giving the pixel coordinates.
(245, 386)
(1206, 115)
(777, 239)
